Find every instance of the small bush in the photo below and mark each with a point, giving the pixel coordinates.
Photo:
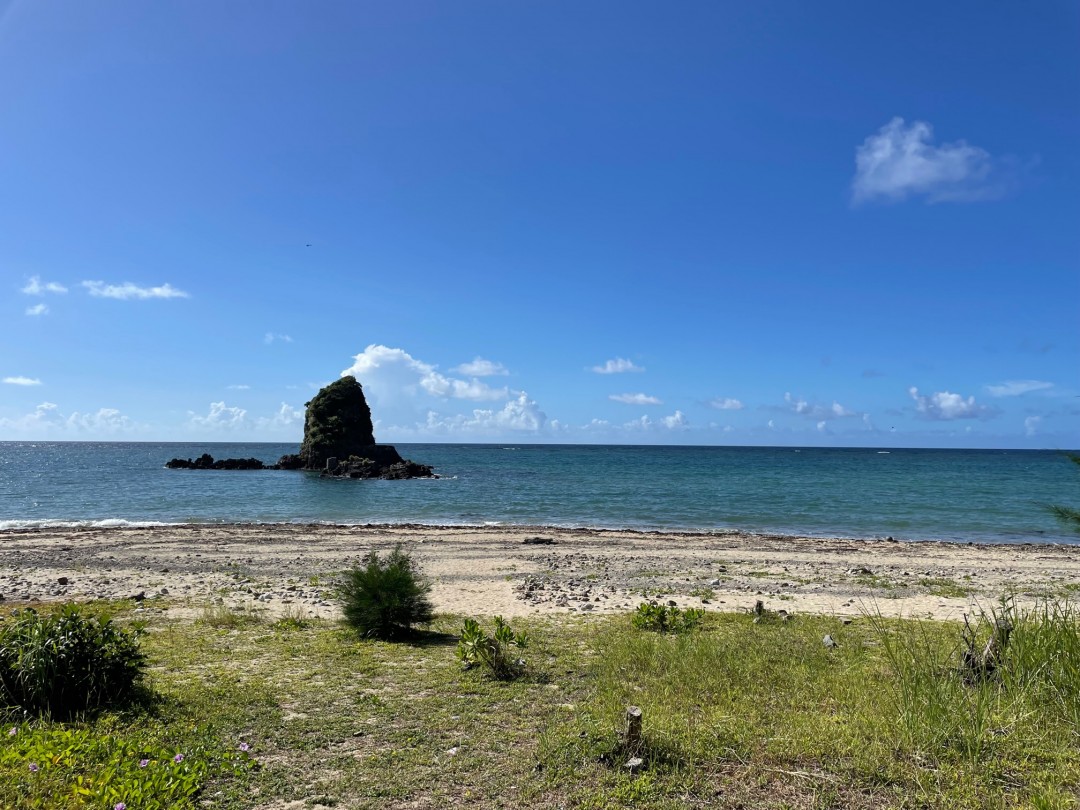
(385, 598)
(494, 653)
(666, 618)
(66, 663)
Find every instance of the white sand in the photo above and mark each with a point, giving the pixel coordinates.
(490, 570)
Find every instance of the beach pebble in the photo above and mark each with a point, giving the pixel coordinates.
(62, 580)
(714, 582)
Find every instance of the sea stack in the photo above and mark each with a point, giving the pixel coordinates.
(339, 439)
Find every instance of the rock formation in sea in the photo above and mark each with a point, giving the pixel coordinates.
(339, 441)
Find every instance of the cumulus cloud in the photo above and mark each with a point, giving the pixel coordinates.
(411, 398)
(616, 366)
(377, 364)
(901, 161)
(48, 420)
(519, 415)
(1031, 425)
(726, 404)
(220, 418)
(1014, 388)
(635, 399)
(38, 309)
(22, 381)
(286, 416)
(130, 292)
(270, 337)
(35, 286)
(817, 412)
(946, 406)
(676, 421)
(480, 367)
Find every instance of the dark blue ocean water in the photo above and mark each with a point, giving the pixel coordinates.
(967, 495)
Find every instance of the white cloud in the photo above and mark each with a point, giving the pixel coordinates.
(1031, 425)
(106, 420)
(35, 287)
(240, 387)
(411, 399)
(945, 406)
(37, 309)
(1014, 388)
(616, 366)
(220, 417)
(817, 412)
(900, 161)
(22, 381)
(128, 291)
(47, 420)
(822, 426)
(450, 388)
(286, 416)
(635, 399)
(726, 404)
(480, 367)
(520, 414)
(676, 421)
(270, 337)
(385, 368)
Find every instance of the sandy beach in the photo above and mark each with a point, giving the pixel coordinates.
(517, 571)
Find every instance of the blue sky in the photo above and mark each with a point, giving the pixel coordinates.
(706, 223)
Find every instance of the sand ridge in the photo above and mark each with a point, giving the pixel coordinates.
(491, 570)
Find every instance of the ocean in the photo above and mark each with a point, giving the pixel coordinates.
(960, 495)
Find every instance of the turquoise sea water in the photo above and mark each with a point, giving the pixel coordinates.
(966, 495)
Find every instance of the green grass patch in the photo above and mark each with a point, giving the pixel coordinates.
(736, 714)
(939, 586)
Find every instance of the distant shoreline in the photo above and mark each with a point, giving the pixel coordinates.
(490, 570)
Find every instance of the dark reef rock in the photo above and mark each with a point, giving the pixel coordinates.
(206, 462)
(339, 441)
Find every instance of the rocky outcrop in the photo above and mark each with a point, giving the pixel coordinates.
(337, 424)
(207, 462)
(339, 441)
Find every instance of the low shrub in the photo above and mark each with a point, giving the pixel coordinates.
(494, 653)
(385, 598)
(666, 618)
(66, 663)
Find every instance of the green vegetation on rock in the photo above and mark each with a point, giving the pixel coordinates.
(337, 424)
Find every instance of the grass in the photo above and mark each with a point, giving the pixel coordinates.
(735, 715)
(939, 586)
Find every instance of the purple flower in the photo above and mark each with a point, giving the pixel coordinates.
(13, 731)
(34, 767)
(120, 806)
(178, 758)
(245, 747)
(143, 763)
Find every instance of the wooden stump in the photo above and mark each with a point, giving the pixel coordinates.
(633, 728)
